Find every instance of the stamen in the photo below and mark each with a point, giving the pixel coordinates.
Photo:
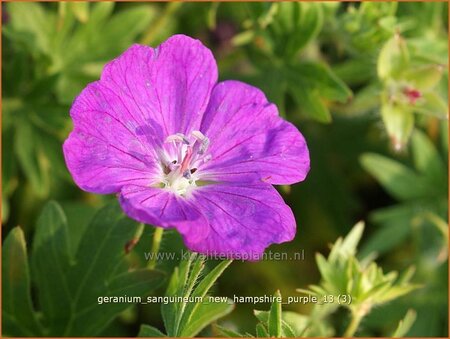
(203, 139)
(204, 146)
(198, 135)
(187, 174)
(178, 137)
(180, 160)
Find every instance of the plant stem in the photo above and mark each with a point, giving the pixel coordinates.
(137, 236)
(354, 324)
(157, 236)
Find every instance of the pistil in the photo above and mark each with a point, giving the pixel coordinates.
(181, 173)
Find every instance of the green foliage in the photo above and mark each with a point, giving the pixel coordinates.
(368, 25)
(420, 217)
(357, 285)
(278, 324)
(421, 190)
(68, 286)
(406, 82)
(278, 33)
(67, 53)
(190, 315)
(18, 316)
(365, 283)
(311, 84)
(76, 24)
(405, 325)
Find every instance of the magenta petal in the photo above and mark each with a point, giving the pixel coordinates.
(249, 140)
(160, 207)
(100, 164)
(143, 96)
(168, 86)
(243, 220)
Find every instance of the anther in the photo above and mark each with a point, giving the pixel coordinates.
(204, 146)
(178, 137)
(187, 174)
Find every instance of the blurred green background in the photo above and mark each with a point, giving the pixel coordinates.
(367, 85)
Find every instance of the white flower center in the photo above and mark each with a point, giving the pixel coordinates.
(180, 159)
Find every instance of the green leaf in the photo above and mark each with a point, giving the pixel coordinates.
(274, 322)
(324, 267)
(396, 178)
(204, 315)
(310, 83)
(424, 77)
(194, 274)
(355, 71)
(200, 291)
(89, 48)
(405, 324)
(32, 24)
(322, 79)
(99, 272)
(399, 123)
(309, 102)
(188, 319)
(100, 12)
(432, 104)
(395, 292)
(274, 85)
(427, 159)
(178, 286)
(169, 311)
(444, 138)
(394, 227)
(9, 163)
(148, 331)
(348, 247)
(261, 331)
(366, 100)
(80, 10)
(71, 290)
(33, 162)
(18, 317)
(227, 333)
(50, 263)
(9, 170)
(136, 283)
(124, 27)
(292, 324)
(294, 25)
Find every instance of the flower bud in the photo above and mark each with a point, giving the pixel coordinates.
(399, 122)
(393, 58)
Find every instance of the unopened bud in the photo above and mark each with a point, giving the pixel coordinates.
(393, 58)
(399, 122)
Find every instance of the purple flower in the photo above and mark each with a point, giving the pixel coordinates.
(182, 150)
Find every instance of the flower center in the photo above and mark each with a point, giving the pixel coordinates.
(180, 158)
